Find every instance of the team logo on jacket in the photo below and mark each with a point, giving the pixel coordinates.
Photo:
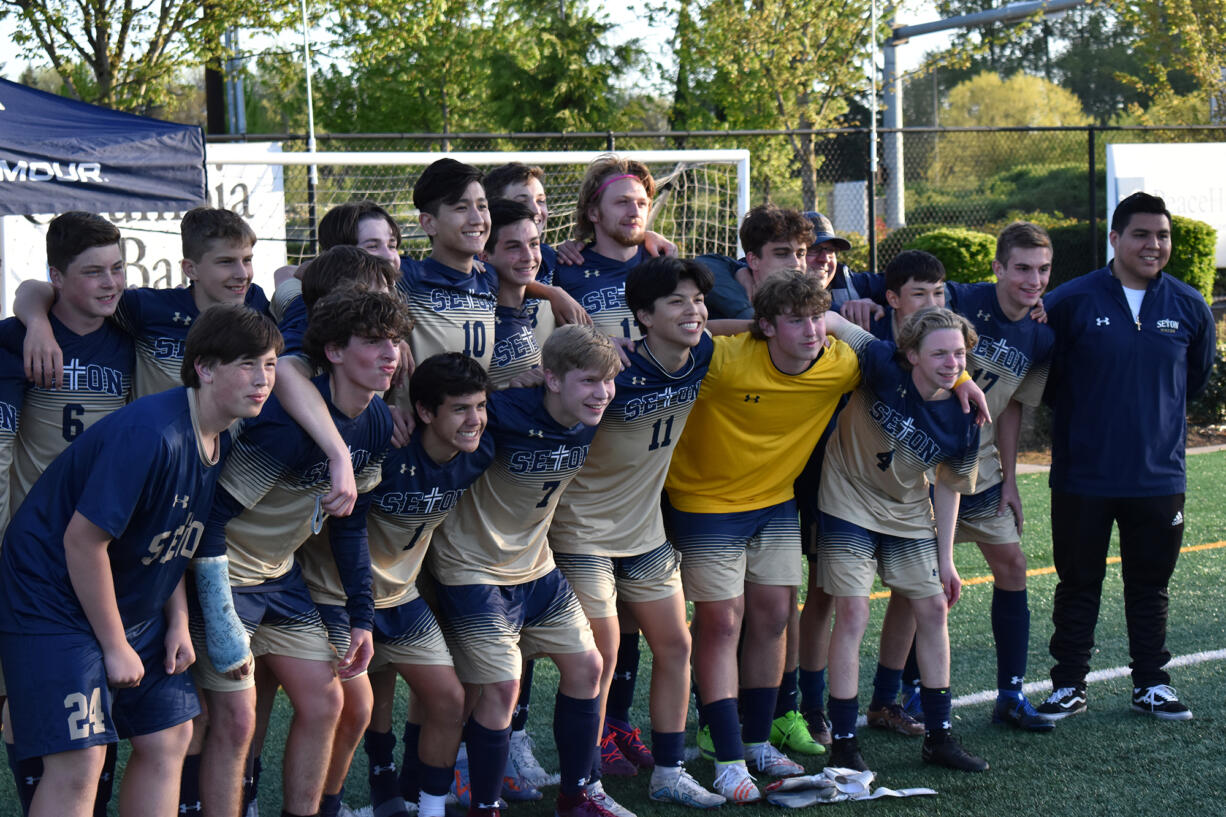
(1168, 326)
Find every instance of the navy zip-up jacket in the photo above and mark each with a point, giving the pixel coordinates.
(1119, 388)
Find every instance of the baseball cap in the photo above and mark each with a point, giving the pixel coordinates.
(825, 232)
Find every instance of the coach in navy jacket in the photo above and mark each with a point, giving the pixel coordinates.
(1133, 344)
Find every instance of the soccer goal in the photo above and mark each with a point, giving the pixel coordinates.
(701, 195)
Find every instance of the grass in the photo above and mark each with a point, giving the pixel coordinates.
(1108, 761)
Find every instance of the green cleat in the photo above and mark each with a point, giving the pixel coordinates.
(790, 733)
(706, 746)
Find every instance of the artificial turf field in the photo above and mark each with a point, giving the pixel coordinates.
(1108, 761)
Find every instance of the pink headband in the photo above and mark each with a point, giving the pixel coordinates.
(610, 181)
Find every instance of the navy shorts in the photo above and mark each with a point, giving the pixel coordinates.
(59, 700)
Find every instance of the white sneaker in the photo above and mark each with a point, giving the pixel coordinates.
(768, 760)
(522, 763)
(597, 794)
(735, 784)
(673, 784)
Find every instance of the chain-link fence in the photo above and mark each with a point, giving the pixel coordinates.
(974, 178)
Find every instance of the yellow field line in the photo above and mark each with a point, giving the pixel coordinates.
(1043, 571)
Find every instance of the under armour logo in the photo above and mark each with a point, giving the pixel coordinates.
(1178, 520)
(536, 432)
(411, 470)
(377, 770)
(983, 316)
(638, 381)
(902, 389)
(197, 807)
(1102, 321)
(179, 317)
(752, 398)
(31, 781)
(1016, 679)
(180, 501)
(591, 273)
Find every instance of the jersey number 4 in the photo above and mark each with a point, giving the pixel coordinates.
(885, 459)
(85, 714)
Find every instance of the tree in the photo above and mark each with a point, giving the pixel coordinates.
(777, 64)
(1021, 101)
(129, 55)
(1179, 37)
(449, 66)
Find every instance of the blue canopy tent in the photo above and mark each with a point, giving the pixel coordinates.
(58, 154)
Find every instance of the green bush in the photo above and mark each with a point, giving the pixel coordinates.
(1210, 407)
(892, 244)
(1193, 250)
(966, 254)
(1072, 251)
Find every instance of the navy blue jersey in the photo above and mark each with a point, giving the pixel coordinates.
(549, 263)
(599, 285)
(158, 320)
(269, 489)
(98, 371)
(848, 286)
(516, 348)
(612, 508)
(1119, 386)
(140, 475)
(1009, 362)
(497, 534)
(452, 311)
(293, 326)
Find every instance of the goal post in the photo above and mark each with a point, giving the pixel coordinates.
(701, 195)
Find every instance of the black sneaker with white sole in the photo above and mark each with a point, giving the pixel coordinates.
(1161, 701)
(1063, 702)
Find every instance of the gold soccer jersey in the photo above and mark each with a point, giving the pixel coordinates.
(754, 427)
(276, 473)
(416, 494)
(885, 439)
(612, 508)
(498, 532)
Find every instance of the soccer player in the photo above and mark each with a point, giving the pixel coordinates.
(265, 509)
(1133, 345)
(514, 252)
(499, 594)
(422, 482)
(451, 302)
(764, 402)
(608, 534)
(217, 248)
(774, 240)
(87, 274)
(524, 184)
(1009, 362)
(93, 615)
(877, 515)
(611, 216)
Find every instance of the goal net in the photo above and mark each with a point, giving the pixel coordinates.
(700, 195)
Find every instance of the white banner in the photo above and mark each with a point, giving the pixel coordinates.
(152, 247)
(1190, 177)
